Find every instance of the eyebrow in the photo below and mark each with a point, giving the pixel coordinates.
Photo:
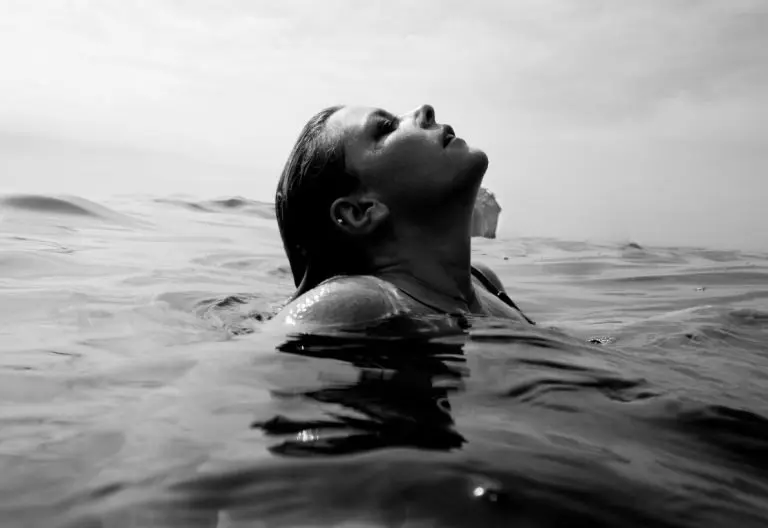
(378, 114)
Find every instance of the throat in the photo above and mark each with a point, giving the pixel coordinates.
(433, 266)
(463, 298)
(448, 298)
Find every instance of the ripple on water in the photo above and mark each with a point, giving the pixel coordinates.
(236, 204)
(72, 206)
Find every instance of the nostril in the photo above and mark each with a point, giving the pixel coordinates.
(429, 114)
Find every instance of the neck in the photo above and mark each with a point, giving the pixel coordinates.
(431, 263)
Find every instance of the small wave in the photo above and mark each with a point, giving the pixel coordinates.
(236, 202)
(24, 264)
(62, 205)
(613, 387)
(183, 203)
(697, 278)
(637, 254)
(237, 314)
(281, 271)
(740, 433)
(40, 244)
(709, 326)
(632, 245)
(252, 207)
(571, 246)
(46, 204)
(749, 318)
(718, 255)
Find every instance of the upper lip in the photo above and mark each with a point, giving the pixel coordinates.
(448, 134)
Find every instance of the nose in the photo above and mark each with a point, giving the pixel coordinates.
(424, 116)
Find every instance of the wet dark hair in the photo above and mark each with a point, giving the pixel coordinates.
(313, 177)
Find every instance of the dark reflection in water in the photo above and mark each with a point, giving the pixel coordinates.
(400, 398)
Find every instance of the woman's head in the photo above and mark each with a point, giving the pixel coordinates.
(410, 163)
(355, 171)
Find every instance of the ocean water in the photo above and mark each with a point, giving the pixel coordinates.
(139, 386)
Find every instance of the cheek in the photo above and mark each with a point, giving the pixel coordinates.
(400, 164)
(411, 156)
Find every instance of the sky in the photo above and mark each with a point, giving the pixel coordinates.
(641, 120)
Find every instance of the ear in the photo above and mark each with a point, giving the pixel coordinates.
(358, 215)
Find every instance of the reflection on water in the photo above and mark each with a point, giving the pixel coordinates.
(400, 398)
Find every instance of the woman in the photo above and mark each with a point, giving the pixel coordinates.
(375, 213)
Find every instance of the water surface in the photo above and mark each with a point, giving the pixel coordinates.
(139, 387)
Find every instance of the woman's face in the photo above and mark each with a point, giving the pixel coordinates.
(407, 159)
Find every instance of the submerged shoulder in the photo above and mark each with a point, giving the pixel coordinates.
(341, 301)
(490, 275)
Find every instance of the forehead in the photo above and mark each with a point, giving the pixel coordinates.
(350, 120)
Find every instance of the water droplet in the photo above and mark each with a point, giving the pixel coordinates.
(307, 435)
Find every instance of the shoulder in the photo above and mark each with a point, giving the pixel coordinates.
(490, 275)
(341, 301)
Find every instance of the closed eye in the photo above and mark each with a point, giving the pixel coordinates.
(384, 126)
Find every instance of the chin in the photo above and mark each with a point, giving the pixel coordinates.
(467, 181)
(473, 165)
(480, 159)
